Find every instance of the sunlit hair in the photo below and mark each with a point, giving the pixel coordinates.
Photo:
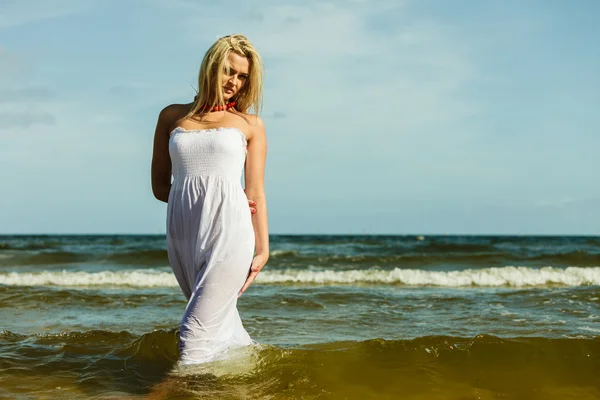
(210, 77)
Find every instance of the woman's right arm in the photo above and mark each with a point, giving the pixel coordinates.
(161, 161)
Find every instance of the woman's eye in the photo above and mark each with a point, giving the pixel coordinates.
(243, 77)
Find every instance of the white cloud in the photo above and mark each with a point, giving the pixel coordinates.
(10, 64)
(348, 82)
(19, 12)
(568, 202)
(25, 120)
(27, 93)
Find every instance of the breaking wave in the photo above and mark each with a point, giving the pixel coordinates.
(485, 277)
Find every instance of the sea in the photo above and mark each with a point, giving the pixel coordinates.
(334, 317)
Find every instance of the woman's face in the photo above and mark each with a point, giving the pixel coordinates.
(235, 75)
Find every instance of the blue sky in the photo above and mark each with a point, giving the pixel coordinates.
(408, 117)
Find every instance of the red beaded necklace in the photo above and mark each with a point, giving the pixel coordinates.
(221, 108)
(217, 108)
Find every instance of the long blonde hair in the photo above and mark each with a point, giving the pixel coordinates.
(210, 77)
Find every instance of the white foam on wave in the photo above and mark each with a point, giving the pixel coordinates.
(505, 276)
(137, 278)
(278, 253)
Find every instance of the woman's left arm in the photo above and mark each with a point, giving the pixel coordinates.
(254, 173)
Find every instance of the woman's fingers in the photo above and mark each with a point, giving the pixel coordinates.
(249, 280)
(258, 262)
(252, 203)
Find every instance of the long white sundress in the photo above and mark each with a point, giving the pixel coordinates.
(210, 238)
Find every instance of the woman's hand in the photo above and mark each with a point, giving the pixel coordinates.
(252, 203)
(258, 262)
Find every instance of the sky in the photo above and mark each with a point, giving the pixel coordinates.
(382, 117)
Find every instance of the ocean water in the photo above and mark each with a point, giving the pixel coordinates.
(337, 317)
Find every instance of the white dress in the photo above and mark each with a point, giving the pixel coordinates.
(210, 238)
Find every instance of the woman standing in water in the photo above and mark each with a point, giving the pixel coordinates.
(211, 233)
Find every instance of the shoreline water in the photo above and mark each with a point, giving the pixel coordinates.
(336, 317)
(120, 365)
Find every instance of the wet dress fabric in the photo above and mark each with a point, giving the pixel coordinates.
(210, 238)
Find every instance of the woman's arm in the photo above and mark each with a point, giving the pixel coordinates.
(254, 173)
(161, 161)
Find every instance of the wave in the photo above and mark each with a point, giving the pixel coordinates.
(505, 276)
(282, 253)
(129, 344)
(144, 278)
(106, 362)
(323, 251)
(485, 277)
(294, 258)
(150, 257)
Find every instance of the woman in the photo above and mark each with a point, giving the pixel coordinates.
(211, 232)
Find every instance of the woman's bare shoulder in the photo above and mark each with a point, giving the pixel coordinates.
(171, 114)
(252, 119)
(255, 124)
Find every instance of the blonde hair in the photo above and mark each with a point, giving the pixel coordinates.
(210, 77)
